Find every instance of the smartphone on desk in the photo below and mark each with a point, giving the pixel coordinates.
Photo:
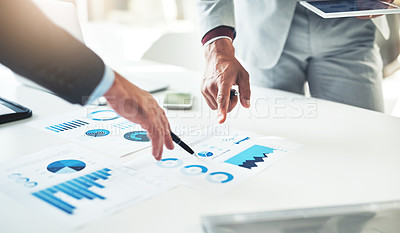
(178, 101)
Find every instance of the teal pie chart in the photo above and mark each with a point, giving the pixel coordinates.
(103, 115)
(97, 133)
(219, 177)
(194, 170)
(66, 166)
(169, 163)
(137, 136)
(205, 154)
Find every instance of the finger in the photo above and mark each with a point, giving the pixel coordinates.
(223, 101)
(154, 146)
(157, 142)
(160, 135)
(232, 102)
(244, 89)
(233, 99)
(213, 90)
(209, 99)
(168, 142)
(368, 16)
(167, 137)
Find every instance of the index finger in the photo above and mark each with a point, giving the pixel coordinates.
(157, 142)
(223, 101)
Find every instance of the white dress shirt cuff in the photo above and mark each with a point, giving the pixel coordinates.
(105, 84)
(216, 38)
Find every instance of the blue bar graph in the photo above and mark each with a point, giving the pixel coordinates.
(77, 188)
(67, 126)
(125, 125)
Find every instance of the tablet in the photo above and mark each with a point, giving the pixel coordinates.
(358, 218)
(10, 111)
(350, 8)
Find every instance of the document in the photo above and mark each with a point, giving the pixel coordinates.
(100, 129)
(72, 185)
(223, 162)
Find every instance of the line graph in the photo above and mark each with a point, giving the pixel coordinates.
(251, 156)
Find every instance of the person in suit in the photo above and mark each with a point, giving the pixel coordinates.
(283, 45)
(32, 46)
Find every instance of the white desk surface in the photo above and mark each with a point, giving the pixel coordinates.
(349, 155)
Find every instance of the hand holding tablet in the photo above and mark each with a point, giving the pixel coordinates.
(351, 8)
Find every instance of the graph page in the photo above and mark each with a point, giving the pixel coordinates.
(72, 185)
(100, 129)
(223, 162)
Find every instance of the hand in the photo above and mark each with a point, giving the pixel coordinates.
(374, 16)
(140, 107)
(223, 71)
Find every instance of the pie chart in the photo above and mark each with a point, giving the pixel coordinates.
(103, 115)
(97, 133)
(205, 154)
(137, 136)
(169, 163)
(66, 166)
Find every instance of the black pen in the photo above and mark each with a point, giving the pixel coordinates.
(233, 93)
(178, 141)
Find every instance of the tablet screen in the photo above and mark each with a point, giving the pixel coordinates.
(5, 110)
(349, 5)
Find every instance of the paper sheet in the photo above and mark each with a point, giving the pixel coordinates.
(73, 185)
(223, 162)
(99, 129)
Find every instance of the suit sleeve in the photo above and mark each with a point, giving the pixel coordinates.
(215, 13)
(32, 46)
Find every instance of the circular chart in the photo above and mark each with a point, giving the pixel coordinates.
(194, 170)
(30, 184)
(103, 115)
(205, 154)
(97, 133)
(219, 177)
(169, 163)
(66, 166)
(22, 180)
(137, 136)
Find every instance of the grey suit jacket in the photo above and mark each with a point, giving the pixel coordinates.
(262, 26)
(35, 48)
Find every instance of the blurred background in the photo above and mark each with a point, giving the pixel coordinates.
(159, 30)
(165, 31)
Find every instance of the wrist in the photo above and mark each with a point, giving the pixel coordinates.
(220, 48)
(113, 91)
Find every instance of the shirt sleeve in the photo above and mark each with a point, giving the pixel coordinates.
(105, 84)
(215, 13)
(218, 33)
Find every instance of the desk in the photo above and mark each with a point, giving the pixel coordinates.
(349, 155)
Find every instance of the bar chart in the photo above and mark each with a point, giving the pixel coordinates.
(77, 188)
(67, 125)
(72, 185)
(98, 128)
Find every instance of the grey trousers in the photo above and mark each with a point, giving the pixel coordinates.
(337, 57)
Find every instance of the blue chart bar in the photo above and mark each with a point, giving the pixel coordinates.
(77, 188)
(67, 126)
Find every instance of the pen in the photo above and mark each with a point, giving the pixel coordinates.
(178, 141)
(232, 93)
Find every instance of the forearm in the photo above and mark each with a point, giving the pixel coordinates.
(219, 49)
